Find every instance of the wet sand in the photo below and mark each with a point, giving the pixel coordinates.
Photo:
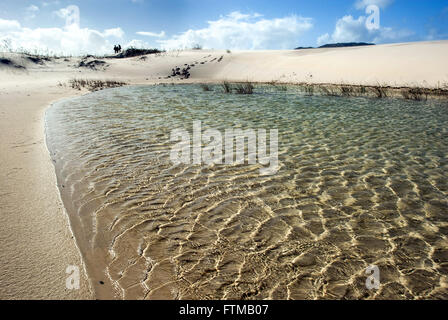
(36, 242)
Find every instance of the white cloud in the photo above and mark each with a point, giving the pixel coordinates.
(115, 32)
(152, 34)
(349, 29)
(323, 39)
(70, 39)
(49, 3)
(9, 25)
(138, 44)
(244, 31)
(362, 4)
(31, 11)
(32, 8)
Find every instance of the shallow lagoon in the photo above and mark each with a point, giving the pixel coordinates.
(361, 182)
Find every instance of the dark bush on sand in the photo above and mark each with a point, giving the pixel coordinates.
(94, 64)
(94, 85)
(10, 63)
(134, 52)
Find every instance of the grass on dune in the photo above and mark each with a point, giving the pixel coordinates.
(94, 85)
(342, 90)
(375, 91)
(238, 88)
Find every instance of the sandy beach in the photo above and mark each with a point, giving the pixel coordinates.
(36, 240)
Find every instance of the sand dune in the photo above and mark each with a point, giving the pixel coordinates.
(36, 243)
(416, 64)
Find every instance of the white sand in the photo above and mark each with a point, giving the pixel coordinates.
(416, 64)
(36, 243)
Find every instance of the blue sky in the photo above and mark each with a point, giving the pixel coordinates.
(230, 24)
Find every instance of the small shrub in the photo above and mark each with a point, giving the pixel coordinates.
(282, 88)
(93, 65)
(95, 85)
(9, 63)
(226, 87)
(347, 91)
(244, 88)
(135, 52)
(206, 87)
(309, 90)
(239, 88)
(379, 91)
(362, 90)
(327, 91)
(416, 94)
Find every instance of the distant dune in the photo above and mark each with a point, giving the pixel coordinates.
(340, 45)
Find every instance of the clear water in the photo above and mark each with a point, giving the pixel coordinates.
(361, 182)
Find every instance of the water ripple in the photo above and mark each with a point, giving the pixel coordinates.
(361, 182)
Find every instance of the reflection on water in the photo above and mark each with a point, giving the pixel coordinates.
(361, 182)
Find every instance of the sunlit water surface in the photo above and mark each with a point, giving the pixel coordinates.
(361, 182)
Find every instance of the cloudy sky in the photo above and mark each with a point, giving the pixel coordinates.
(94, 26)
